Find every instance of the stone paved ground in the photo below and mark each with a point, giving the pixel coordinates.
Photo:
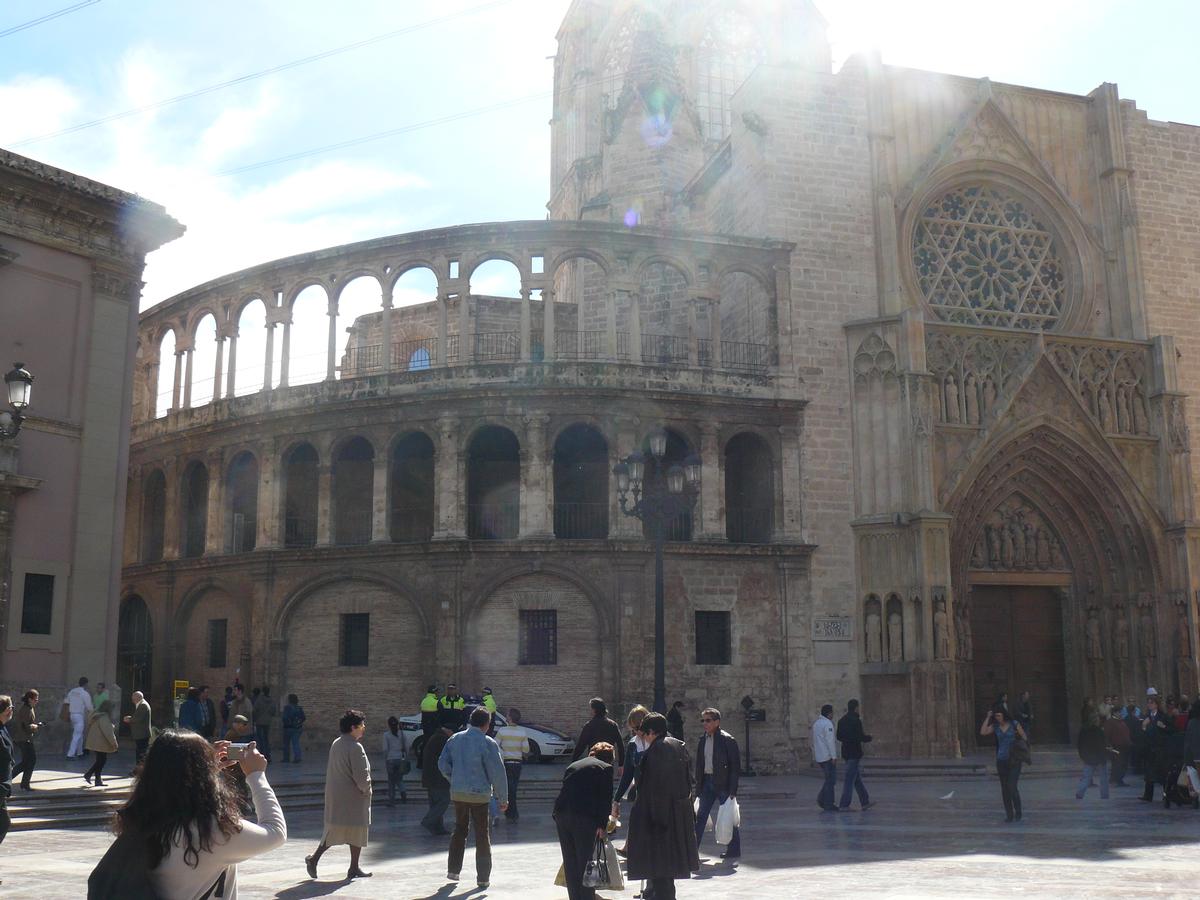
(913, 844)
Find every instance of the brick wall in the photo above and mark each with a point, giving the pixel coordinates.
(215, 605)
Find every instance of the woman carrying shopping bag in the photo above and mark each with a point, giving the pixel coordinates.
(581, 814)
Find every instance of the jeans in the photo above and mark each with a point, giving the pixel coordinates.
(465, 816)
(291, 745)
(1085, 780)
(854, 780)
(1010, 773)
(1120, 765)
(710, 802)
(395, 774)
(439, 802)
(577, 840)
(512, 770)
(262, 738)
(825, 797)
(28, 761)
(97, 768)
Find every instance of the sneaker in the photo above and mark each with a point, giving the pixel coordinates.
(452, 876)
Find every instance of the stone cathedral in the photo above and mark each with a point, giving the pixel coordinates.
(932, 339)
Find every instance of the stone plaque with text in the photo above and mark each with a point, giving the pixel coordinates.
(833, 628)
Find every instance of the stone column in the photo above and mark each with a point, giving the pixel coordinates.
(218, 369)
(693, 332)
(621, 525)
(172, 526)
(526, 325)
(324, 504)
(443, 355)
(635, 328)
(152, 390)
(611, 324)
(466, 345)
(779, 323)
(535, 499)
(386, 349)
(229, 382)
(187, 378)
(331, 348)
(791, 528)
(548, 348)
(270, 510)
(450, 521)
(214, 542)
(715, 333)
(712, 528)
(269, 356)
(380, 507)
(285, 357)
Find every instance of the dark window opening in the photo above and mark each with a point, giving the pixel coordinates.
(37, 605)
(195, 510)
(243, 503)
(581, 497)
(356, 639)
(412, 489)
(678, 528)
(218, 632)
(493, 485)
(300, 503)
(714, 639)
(538, 637)
(749, 490)
(353, 492)
(154, 515)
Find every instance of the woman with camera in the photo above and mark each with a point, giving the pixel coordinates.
(1008, 765)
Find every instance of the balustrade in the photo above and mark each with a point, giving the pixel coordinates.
(493, 521)
(581, 521)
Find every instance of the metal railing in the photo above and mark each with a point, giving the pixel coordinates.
(352, 526)
(748, 524)
(704, 357)
(414, 356)
(493, 521)
(497, 346)
(580, 521)
(582, 344)
(677, 529)
(745, 356)
(298, 532)
(412, 524)
(664, 349)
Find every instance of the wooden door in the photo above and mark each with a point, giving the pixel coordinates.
(1018, 645)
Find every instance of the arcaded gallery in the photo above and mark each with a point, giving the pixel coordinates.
(922, 344)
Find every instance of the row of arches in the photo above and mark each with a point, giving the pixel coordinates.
(344, 490)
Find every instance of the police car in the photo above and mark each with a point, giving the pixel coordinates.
(545, 743)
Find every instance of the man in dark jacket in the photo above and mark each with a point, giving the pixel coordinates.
(1093, 750)
(581, 814)
(718, 763)
(675, 720)
(208, 721)
(599, 728)
(6, 763)
(662, 823)
(437, 788)
(850, 733)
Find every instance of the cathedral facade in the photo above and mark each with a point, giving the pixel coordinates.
(932, 340)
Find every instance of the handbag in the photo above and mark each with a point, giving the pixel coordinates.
(1021, 752)
(595, 873)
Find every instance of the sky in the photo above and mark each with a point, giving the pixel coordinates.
(247, 167)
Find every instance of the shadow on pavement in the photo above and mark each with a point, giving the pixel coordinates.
(312, 889)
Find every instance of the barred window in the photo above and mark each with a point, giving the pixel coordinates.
(218, 633)
(538, 638)
(728, 53)
(355, 642)
(714, 638)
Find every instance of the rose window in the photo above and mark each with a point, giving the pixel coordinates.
(983, 258)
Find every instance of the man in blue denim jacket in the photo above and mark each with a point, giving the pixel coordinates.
(472, 764)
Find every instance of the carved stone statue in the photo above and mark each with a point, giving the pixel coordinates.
(895, 637)
(989, 394)
(1105, 410)
(1006, 548)
(1183, 637)
(1095, 646)
(1056, 559)
(874, 637)
(941, 633)
(1018, 541)
(962, 619)
(1146, 635)
(1122, 409)
(1141, 418)
(951, 399)
(971, 397)
(1043, 549)
(977, 555)
(993, 546)
(1121, 636)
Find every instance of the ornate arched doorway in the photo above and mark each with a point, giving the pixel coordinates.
(135, 650)
(1054, 563)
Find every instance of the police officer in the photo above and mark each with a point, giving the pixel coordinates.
(489, 702)
(429, 710)
(453, 707)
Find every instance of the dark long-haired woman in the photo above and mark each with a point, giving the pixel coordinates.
(1006, 731)
(188, 814)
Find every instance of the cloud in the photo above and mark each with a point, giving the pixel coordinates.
(34, 105)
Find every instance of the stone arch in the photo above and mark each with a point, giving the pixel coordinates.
(295, 290)
(203, 603)
(352, 275)
(492, 642)
(409, 265)
(749, 469)
(574, 253)
(493, 483)
(291, 602)
(580, 481)
(468, 267)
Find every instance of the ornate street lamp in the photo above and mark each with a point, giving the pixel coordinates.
(19, 384)
(657, 500)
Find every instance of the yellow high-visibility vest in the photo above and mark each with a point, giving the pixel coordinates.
(429, 703)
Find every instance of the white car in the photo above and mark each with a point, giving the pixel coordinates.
(545, 743)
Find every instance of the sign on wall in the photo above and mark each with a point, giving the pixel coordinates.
(833, 628)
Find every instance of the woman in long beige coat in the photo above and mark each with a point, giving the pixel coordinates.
(101, 739)
(347, 795)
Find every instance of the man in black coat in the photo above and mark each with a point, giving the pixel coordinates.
(437, 788)
(599, 728)
(718, 763)
(662, 823)
(6, 764)
(675, 720)
(850, 733)
(581, 815)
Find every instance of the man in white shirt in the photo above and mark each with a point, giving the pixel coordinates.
(79, 703)
(825, 753)
(514, 744)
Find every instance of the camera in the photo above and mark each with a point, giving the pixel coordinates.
(236, 752)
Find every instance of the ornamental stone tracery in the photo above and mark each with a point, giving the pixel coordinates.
(981, 257)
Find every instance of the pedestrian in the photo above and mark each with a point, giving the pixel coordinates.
(599, 728)
(472, 763)
(80, 706)
(514, 745)
(101, 694)
(1103, 709)
(718, 764)
(208, 714)
(581, 814)
(1191, 736)
(429, 711)
(675, 720)
(1025, 712)
(489, 701)
(292, 719)
(139, 727)
(1116, 733)
(186, 816)
(1009, 769)
(6, 764)
(22, 729)
(1157, 728)
(662, 823)
(239, 731)
(634, 749)
(395, 760)
(101, 740)
(1093, 749)
(347, 796)
(825, 754)
(190, 714)
(241, 705)
(850, 733)
(453, 707)
(437, 788)
(265, 710)
(1131, 715)
(224, 705)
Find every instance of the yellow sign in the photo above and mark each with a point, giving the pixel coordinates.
(181, 689)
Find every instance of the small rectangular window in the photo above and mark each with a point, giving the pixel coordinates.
(714, 644)
(218, 634)
(37, 605)
(454, 268)
(538, 638)
(355, 643)
(537, 265)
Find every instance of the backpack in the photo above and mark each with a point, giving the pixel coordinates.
(123, 873)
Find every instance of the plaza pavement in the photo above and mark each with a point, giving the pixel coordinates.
(914, 843)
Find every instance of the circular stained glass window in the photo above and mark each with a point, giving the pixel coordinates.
(983, 257)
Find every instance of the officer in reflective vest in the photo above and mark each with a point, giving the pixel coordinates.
(489, 702)
(429, 710)
(452, 706)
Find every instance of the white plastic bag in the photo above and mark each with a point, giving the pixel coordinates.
(1194, 777)
(708, 824)
(729, 817)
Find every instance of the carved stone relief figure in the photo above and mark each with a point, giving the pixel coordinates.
(1104, 410)
(1095, 645)
(941, 633)
(1146, 635)
(874, 637)
(962, 621)
(1006, 547)
(1123, 423)
(1141, 416)
(989, 394)
(971, 397)
(977, 558)
(895, 636)
(951, 399)
(993, 542)
(1121, 636)
(1016, 536)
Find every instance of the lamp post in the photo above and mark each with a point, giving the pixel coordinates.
(657, 498)
(19, 385)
